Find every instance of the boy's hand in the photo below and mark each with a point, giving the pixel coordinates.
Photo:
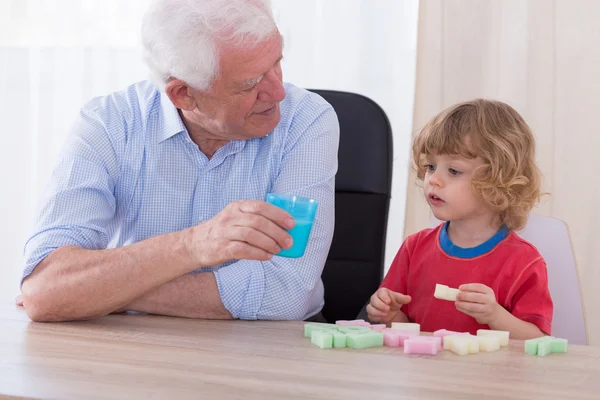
(385, 305)
(479, 302)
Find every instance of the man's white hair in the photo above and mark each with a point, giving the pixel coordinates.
(181, 37)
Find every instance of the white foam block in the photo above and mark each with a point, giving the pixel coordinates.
(406, 326)
(461, 344)
(444, 292)
(501, 335)
(488, 343)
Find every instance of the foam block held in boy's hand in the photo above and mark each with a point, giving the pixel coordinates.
(321, 338)
(502, 335)
(444, 292)
(406, 326)
(362, 340)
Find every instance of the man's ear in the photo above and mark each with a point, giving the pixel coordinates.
(180, 95)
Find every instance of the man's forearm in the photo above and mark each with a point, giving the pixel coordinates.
(74, 283)
(190, 296)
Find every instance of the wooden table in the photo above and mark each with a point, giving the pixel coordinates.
(139, 356)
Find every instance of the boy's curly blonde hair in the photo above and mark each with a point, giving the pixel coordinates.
(509, 180)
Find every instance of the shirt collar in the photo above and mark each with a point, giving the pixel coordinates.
(460, 252)
(171, 121)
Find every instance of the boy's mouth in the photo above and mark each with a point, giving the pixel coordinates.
(435, 198)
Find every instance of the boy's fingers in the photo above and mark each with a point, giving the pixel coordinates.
(401, 299)
(384, 295)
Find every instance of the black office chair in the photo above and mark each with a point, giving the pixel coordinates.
(354, 267)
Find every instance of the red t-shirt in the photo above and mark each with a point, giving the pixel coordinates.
(510, 266)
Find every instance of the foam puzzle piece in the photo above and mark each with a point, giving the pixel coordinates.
(355, 322)
(321, 338)
(396, 338)
(308, 328)
(406, 326)
(488, 344)
(378, 327)
(444, 292)
(353, 329)
(461, 344)
(436, 340)
(545, 345)
(502, 335)
(442, 333)
(555, 345)
(362, 340)
(417, 345)
(339, 339)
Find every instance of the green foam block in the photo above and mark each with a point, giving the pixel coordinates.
(362, 340)
(308, 328)
(322, 338)
(552, 346)
(353, 329)
(339, 339)
(532, 345)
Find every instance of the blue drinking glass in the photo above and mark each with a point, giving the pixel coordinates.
(303, 210)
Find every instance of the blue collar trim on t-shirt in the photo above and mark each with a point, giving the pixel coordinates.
(455, 251)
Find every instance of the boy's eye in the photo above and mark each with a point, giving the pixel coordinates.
(454, 172)
(430, 167)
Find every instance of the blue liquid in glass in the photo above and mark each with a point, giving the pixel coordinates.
(300, 233)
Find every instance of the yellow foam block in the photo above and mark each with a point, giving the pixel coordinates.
(457, 345)
(488, 343)
(501, 335)
(444, 292)
(406, 327)
(461, 344)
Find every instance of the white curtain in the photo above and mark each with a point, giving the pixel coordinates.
(542, 57)
(57, 54)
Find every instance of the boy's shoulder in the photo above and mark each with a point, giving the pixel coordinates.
(519, 247)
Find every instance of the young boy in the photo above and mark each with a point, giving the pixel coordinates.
(477, 162)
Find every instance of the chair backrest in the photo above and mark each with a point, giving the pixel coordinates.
(354, 267)
(551, 237)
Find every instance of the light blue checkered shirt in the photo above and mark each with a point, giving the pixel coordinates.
(130, 171)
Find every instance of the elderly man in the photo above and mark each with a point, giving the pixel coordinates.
(157, 201)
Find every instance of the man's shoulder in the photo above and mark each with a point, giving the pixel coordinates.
(302, 103)
(123, 110)
(120, 114)
(305, 114)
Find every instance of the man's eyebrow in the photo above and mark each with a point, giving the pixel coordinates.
(254, 81)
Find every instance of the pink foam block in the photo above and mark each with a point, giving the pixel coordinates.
(355, 322)
(444, 332)
(394, 338)
(378, 327)
(422, 345)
